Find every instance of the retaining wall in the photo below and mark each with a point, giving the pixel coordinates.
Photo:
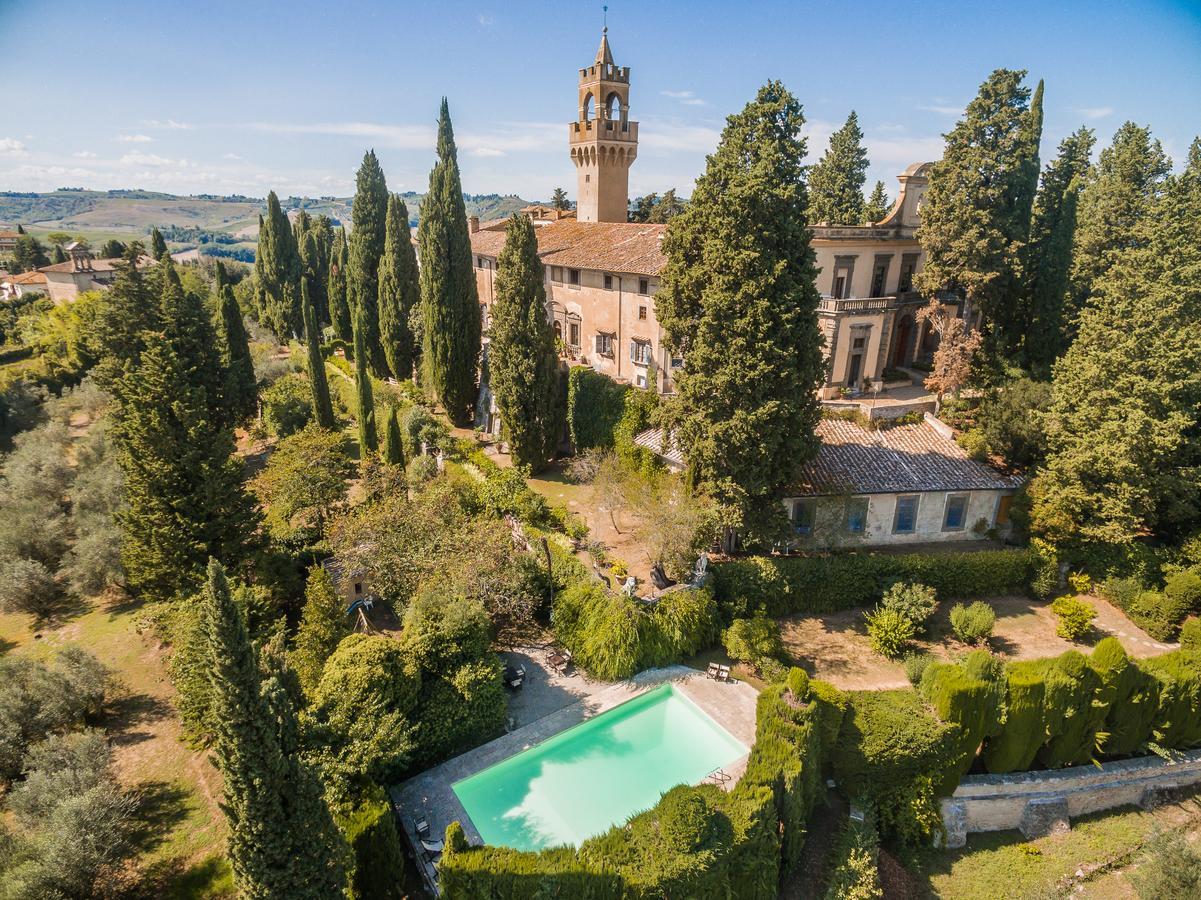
(1039, 803)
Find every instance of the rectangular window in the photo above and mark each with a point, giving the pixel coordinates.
(802, 516)
(640, 352)
(844, 271)
(574, 332)
(640, 381)
(905, 520)
(642, 312)
(857, 515)
(955, 516)
(608, 282)
(880, 275)
(556, 274)
(573, 276)
(908, 270)
(840, 287)
(644, 286)
(1003, 506)
(859, 343)
(358, 587)
(604, 345)
(677, 362)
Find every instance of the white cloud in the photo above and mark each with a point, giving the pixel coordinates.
(402, 137)
(688, 98)
(942, 109)
(1095, 112)
(134, 138)
(485, 20)
(84, 154)
(151, 159)
(169, 124)
(487, 151)
(230, 156)
(12, 147)
(895, 154)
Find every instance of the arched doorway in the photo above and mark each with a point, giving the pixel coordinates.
(902, 341)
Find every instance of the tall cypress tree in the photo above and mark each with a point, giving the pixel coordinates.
(449, 303)
(185, 500)
(878, 204)
(316, 256)
(323, 409)
(277, 267)
(189, 330)
(1052, 234)
(1128, 182)
(282, 841)
(128, 313)
(399, 290)
(241, 387)
(836, 182)
(393, 452)
(368, 439)
(522, 363)
(739, 304)
(158, 247)
(339, 304)
(370, 212)
(974, 223)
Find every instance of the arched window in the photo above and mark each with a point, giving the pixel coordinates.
(613, 107)
(588, 107)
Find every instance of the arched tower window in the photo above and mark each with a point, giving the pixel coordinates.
(588, 107)
(613, 107)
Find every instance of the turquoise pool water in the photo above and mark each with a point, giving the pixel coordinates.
(580, 782)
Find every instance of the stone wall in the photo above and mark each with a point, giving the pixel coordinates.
(1039, 803)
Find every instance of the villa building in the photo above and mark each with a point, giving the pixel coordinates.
(8, 242)
(602, 271)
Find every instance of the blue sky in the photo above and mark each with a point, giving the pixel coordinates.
(225, 97)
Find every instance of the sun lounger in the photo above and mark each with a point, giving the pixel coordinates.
(431, 848)
(723, 673)
(712, 671)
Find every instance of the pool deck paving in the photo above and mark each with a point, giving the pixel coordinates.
(429, 796)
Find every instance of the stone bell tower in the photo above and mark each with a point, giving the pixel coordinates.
(603, 140)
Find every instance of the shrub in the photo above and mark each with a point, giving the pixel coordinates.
(753, 640)
(618, 568)
(378, 860)
(797, 683)
(974, 444)
(1021, 735)
(889, 630)
(1183, 590)
(915, 602)
(420, 425)
(1072, 719)
(974, 623)
(967, 701)
(287, 405)
(856, 875)
(1157, 614)
(1190, 634)
(1044, 581)
(1075, 617)
(27, 586)
(595, 405)
(1081, 582)
(505, 492)
(1122, 592)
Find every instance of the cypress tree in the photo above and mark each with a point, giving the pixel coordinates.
(836, 183)
(158, 247)
(318, 251)
(323, 623)
(241, 386)
(974, 222)
(522, 363)
(399, 290)
(323, 409)
(58, 256)
(739, 303)
(393, 452)
(368, 440)
(1129, 180)
(878, 204)
(188, 328)
(1052, 234)
(282, 842)
(185, 501)
(339, 306)
(450, 307)
(128, 313)
(370, 213)
(277, 268)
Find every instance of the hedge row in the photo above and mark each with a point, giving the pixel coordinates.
(820, 584)
(698, 842)
(602, 413)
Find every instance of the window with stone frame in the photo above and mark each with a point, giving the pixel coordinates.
(905, 518)
(844, 272)
(880, 274)
(954, 517)
(908, 270)
(640, 352)
(604, 344)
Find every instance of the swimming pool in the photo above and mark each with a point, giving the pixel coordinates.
(596, 774)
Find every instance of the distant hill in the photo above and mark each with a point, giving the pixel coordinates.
(230, 221)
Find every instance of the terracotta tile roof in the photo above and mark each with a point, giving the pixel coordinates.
(895, 459)
(98, 265)
(28, 278)
(606, 246)
(11, 235)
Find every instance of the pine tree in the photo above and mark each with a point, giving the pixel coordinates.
(368, 440)
(241, 386)
(370, 213)
(282, 842)
(878, 205)
(399, 290)
(450, 306)
(185, 501)
(189, 330)
(323, 623)
(974, 218)
(522, 363)
(1128, 180)
(1049, 257)
(339, 305)
(1124, 426)
(393, 452)
(739, 303)
(323, 409)
(277, 268)
(836, 183)
(158, 247)
(559, 199)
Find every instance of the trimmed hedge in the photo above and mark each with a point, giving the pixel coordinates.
(604, 413)
(697, 842)
(378, 860)
(821, 584)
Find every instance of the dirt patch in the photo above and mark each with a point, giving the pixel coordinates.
(835, 647)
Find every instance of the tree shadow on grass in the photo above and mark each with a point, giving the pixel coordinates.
(161, 806)
(177, 879)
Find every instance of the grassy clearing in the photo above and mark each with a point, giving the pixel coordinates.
(1101, 847)
(183, 829)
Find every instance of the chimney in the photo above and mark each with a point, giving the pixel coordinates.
(473, 224)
